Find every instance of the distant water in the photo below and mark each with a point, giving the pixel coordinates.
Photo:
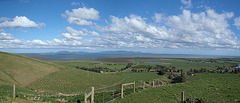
(92, 56)
(155, 63)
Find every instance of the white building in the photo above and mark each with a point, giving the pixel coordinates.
(238, 66)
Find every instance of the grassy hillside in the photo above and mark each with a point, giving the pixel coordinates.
(73, 81)
(209, 87)
(22, 70)
(48, 77)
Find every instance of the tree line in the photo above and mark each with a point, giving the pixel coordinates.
(95, 69)
(220, 69)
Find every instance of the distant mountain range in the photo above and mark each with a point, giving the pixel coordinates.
(79, 55)
(103, 52)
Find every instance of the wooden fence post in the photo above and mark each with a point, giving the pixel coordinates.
(149, 83)
(92, 97)
(134, 87)
(182, 96)
(153, 83)
(122, 91)
(126, 85)
(143, 84)
(88, 94)
(14, 95)
(85, 98)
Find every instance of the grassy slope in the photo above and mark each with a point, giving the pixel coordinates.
(73, 81)
(42, 75)
(210, 87)
(23, 70)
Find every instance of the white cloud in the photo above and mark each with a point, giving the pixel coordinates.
(38, 42)
(1, 30)
(79, 21)
(84, 13)
(69, 41)
(93, 33)
(157, 17)
(81, 16)
(205, 29)
(125, 25)
(186, 3)
(132, 31)
(4, 19)
(75, 32)
(21, 21)
(5, 36)
(237, 22)
(75, 3)
(187, 30)
(70, 36)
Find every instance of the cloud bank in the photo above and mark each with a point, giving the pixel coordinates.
(207, 29)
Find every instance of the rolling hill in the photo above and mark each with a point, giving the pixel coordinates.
(48, 77)
(22, 70)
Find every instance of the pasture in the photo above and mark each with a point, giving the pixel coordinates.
(115, 66)
(208, 87)
(60, 80)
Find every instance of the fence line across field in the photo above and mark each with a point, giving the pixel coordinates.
(107, 86)
(108, 93)
(114, 89)
(103, 88)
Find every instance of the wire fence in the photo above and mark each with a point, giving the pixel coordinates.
(105, 94)
(108, 94)
(7, 93)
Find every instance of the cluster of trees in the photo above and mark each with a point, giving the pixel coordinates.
(223, 69)
(104, 69)
(95, 69)
(156, 68)
(177, 78)
(111, 64)
(203, 61)
(127, 66)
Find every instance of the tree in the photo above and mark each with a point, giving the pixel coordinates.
(161, 72)
(170, 77)
(179, 79)
(183, 78)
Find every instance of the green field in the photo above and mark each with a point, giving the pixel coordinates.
(54, 79)
(73, 81)
(179, 63)
(209, 87)
(116, 66)
(186, 64)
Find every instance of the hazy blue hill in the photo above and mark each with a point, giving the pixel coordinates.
(121, 52)
(66, 55)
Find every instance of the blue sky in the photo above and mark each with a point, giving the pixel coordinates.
(209, 27)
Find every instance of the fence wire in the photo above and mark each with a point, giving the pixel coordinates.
(108, 93)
